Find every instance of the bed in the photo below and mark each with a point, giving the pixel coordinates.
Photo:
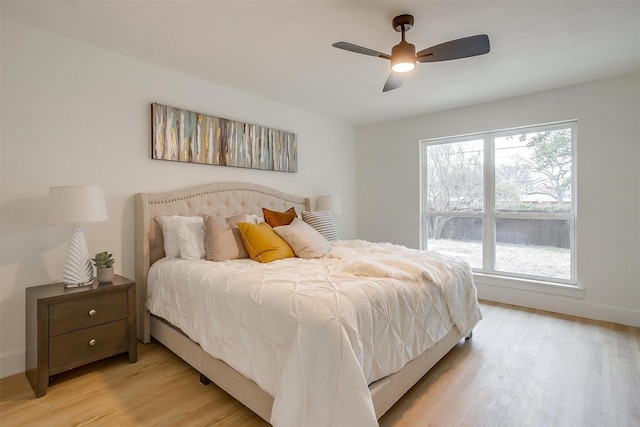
(301, 380)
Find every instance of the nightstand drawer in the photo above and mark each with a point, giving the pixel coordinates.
(87, 345)
(86, 312)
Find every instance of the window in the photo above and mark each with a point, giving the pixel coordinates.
(503, 201)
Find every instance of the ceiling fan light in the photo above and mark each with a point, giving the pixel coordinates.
(403, 67)
(403, 57)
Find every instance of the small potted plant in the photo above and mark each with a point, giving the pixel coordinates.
(104, 266)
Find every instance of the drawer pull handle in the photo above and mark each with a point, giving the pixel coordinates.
(92, 312)
(92, 342)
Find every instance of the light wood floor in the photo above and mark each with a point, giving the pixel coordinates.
(522, 368)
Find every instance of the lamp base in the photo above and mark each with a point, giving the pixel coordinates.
(78, 270)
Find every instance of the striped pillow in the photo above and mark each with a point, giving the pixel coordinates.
(322, 221)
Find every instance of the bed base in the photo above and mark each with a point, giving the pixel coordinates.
(384, 392)
(224, 376)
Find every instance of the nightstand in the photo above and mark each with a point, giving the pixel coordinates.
(70, 327)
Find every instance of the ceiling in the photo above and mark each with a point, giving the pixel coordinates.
(281, 50)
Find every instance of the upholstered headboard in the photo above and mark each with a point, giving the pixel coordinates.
(218, 199)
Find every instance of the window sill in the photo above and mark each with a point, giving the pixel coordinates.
(529, 285)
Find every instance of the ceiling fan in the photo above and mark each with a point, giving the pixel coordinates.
(404, 57)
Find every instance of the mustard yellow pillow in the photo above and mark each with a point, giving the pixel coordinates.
(262, 243)
(276, 219)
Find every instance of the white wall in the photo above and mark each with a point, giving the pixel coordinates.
(608, 186)
(73, 114)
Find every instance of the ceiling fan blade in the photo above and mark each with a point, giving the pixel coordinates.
(394, 81)
(359, 49)
(455, 49)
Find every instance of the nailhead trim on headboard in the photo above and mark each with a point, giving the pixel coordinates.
(228, 190)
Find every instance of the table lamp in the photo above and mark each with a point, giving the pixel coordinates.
(73, 205)
(329, 203)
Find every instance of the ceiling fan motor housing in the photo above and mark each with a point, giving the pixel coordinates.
(403, 57)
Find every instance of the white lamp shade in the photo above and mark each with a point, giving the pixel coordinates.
(76, 204)
(330, 203)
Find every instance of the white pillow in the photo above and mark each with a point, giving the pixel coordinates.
(169, 236)
(255, 219)
(191, 236)
(322, 221)
(305, 241)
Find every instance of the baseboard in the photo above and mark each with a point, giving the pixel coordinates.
(11, 364)
(559, 304)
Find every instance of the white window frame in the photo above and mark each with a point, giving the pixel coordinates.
(488, 274)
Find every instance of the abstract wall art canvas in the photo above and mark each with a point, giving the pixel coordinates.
(186, 136)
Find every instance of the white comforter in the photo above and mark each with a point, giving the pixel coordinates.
(315, 333)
